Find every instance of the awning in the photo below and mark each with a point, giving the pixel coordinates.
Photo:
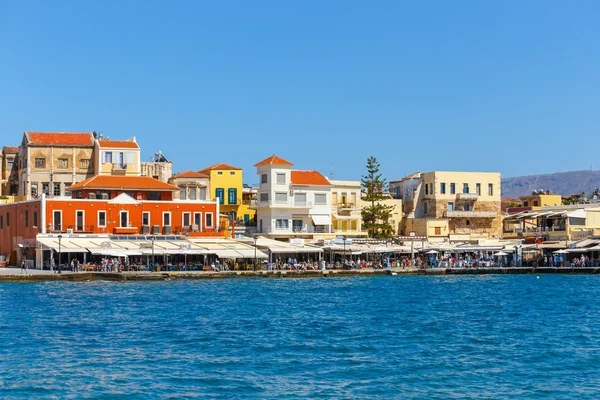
(321, 219)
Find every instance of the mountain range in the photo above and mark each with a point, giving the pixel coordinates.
(563, 183)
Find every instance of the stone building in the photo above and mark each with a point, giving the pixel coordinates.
(455, 206)
(9, 164)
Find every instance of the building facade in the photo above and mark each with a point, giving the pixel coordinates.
(9, 171)
(292, 203)
(345, 208)
(117, 157)
(50, 162)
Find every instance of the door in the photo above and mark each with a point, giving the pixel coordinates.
(246, 219)
(57, 219)
(450, 206)
(232, 194)
(124, 219)
(79, 221)
(219, 192)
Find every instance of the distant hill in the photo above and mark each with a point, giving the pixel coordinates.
(563, 183)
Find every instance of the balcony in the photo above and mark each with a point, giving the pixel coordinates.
(119, 168)
(467, 196)
(346, 206)
(283, 204)
(470, 214)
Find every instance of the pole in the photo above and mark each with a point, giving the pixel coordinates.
(255, 254)
(59, 249)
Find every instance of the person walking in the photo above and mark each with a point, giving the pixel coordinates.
(24, 266)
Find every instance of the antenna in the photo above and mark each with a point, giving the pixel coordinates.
(330, 172)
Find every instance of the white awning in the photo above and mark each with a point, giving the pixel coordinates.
(321, 219)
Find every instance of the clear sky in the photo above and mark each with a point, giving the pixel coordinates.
(508, 86)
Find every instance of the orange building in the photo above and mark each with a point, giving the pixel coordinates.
(116, 205)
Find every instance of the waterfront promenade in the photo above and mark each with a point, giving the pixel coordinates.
(16, 275)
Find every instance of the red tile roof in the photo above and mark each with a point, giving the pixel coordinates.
(118, 144)
(190, 174)
(273, 160)
(123, 182)
(221, 166)
(79, 139)
(312, 178)
(10, 149)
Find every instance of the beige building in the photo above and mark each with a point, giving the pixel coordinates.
(459, 206)
(9, 171)
(541, 198)
(117, 157)
(192, 185)
(345, 208)
(51, 161)
(158, 168)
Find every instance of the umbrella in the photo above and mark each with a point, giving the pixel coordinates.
(501, 253)
(560, 252)
(432, 252)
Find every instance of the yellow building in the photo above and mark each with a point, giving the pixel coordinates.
(226, 187)
(345, 208)
(540, 198)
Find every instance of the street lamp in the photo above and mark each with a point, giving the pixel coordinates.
(59, 239)
(152, 239)
(255, 240)
(344, 260)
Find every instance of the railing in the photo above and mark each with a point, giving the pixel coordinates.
(470, 214)
(467, 196)
(226, 201)
(286, 204)
(251, 202)
(308, 229)
(346, 206)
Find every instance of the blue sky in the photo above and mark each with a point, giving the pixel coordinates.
(509, 86)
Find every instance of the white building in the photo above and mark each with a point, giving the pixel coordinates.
(292, 203)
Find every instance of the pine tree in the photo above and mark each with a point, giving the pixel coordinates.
(375, 216)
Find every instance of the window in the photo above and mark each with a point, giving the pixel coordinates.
(40, 163)
(282, 224)
(535, 203)
(192, 194)
(468, 222)
(452, 188)
(220, 173)
(281, 179)
(198, 220)
(108, 157)
(438, 230)
(203, 193)
(166, 219)
(465, 188)
(208, 220)
(57, 189)
(34, 190)
(146, 218)
(67, 191)
(1, 221)
(443, 188)
(264, 197)
(185, 219)
(478, 189)
(220, 193)
(63, 163)
(232, 173)
(124, 219)
(35, 221)
(78, 194)
(526, 204)
(426, 189)
(450, 206)
(300, 199)
(232, 196)
(84, 164)
(280, 197)
(46, 188)
(425, 208)
(320, 198)
(26, 218)
(467, 207)
(182, 195)
(79, 220)
(263, 178)
(57, 220)
(491, 189)
(102, 219)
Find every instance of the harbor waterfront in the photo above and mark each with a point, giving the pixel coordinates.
(488, 336)
(16, 275)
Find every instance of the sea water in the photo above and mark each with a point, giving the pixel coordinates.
(424, 337)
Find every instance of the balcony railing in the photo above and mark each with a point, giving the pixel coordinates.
(534, 231)
(346, 206)
(467, 196)
(307, 229)
(470, 214)
(284, 204)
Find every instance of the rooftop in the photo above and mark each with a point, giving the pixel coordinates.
(78, 139)
(273, 160)
(312, 178)
(190, 174)
(118, 144)
(10, 149)
(221, 166)
(123, 183)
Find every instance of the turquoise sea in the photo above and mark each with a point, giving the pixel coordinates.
(420, 337)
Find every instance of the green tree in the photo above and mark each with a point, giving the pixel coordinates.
(375, 216)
